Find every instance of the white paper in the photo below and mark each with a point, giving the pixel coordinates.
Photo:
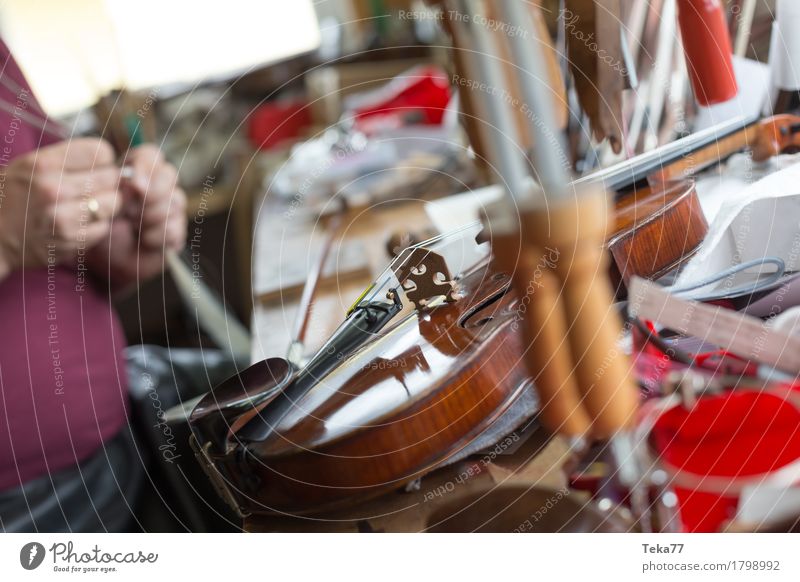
(759, 220)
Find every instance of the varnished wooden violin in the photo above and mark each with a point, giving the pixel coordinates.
(658, 221)
(379, 405)
(391, 397)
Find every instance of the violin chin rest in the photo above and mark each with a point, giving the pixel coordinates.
(215, 415)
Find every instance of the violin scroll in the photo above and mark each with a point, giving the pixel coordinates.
(778, 134)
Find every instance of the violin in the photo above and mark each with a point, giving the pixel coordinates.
(658, 221)
(379, 405)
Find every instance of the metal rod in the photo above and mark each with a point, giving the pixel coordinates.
(526, 48)
(501, 136)
(743, 30)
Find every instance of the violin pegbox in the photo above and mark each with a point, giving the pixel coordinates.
(424, 276)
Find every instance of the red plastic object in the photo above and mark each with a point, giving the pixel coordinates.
(707, 45)
(275, 123)
(418, 96)
(734, 435)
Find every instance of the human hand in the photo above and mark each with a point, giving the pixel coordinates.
(153, 221)
(56, 202)
(160, 202)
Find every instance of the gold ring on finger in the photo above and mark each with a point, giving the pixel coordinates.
(93, 206)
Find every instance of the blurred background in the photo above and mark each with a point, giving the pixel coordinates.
(228, 88)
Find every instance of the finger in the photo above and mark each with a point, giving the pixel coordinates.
(177, 241)
(146, 162)
(79, 211)
(162, 189)
(62, 187)
(144, 156)
(165, 181)
(161, 211)
(176, 233)
(155, 214)
(154, 237)
(170, 234)
(160, 185)
(97, 180)
(110, 203)
(96, 232)
(132, 209)
(83, 153)
(68, 232)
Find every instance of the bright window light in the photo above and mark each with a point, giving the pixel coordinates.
(74, 51)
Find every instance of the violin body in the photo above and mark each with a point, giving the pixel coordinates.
(656, 230)
(660, 226)
(425, 391)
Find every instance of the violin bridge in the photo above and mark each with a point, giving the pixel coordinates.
(424, 276)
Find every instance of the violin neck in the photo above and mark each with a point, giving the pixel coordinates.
(709, 155)
(693, 152)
